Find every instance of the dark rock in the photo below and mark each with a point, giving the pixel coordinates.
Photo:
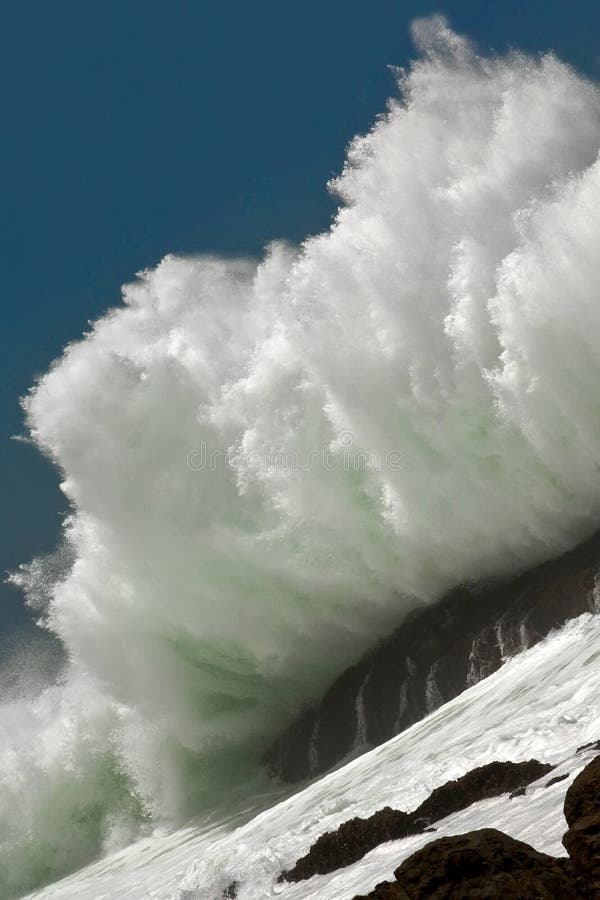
(520, 792)
(593, 745)
(354, 838)
(479, 865)
(485, 781)
(557, 779)
(490, 864)
(583, 796)
(435, 654)
(231, 891)
(582, 842)
(350, 842)
(386, 890)
(582, 812)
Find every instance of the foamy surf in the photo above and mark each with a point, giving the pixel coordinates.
(524, 710)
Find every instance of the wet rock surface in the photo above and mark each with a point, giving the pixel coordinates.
(437, 652)
(583, 796)
(480, 864)
(520, 792)
(387, 890)
(354, 838)
(490, 780)
(582, 843)
(582, 812)
(490, 864)
(351, 841)
(592, 745)
(557, 779)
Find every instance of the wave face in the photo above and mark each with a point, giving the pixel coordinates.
(269, 463)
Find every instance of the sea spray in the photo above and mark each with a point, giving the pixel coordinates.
(268, 464)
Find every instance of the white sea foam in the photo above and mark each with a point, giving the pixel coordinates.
(269, 463)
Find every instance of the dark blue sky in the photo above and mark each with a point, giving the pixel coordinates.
(135, 128)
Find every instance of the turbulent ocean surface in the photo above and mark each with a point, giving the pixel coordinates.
(544, 704)
(269, 462)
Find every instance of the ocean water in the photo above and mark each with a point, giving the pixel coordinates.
(270, 461)
(544, 704)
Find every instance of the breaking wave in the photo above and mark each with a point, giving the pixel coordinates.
(269, 463)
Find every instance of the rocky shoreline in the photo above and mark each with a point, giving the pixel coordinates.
(488, 863)
(438, 652)
(353, 839)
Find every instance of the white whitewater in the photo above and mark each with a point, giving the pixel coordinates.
(543, 704)
(269, 463)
